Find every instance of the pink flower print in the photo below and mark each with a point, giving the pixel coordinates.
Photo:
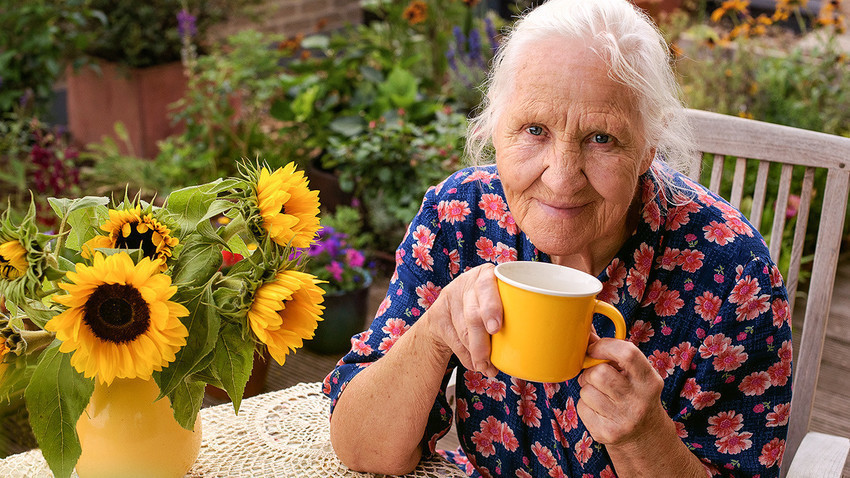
(544, 455)
(755, 383)
(668, 303)
(423, 257)
(771, 453)
(707, 305)
(661, 362)
(557, 472)
(529, 412)
(385, 304)
(779, 416)
(785, 352)
(654, 293)
(476, 382)
(652, 215)
(486, 250)
(525, 390)
(424, 236)
(759, 408)
(483, 444)
(508, 223)
(753, 308)
(336, 270)
(359, 345)
(669, 259)
(781, 313)
(779, 373)
(607, 473)
(522, 474)
(496, 389)
(680, 215)
(744, 290)
(480, 223)
(775, 277)
(505, 253)
(453, 211)
(704, 399)
(507, 438)
(462, 409)
(666, 330)
(680, 429)
(584, 448)
(454, 262)
(479, 175)
(719, 233)
(734, 443)
(683, 355)
(387, 343)
(491, 428)
(395, 327)
(731, 358)
(427, 293)
(738, 226)
(493, 206)
(641, 332)
(714, 345)
(691, 260)
(643, 259)
(725, 423)
(551, 389)
(636, 282)
(568, 418)
(616, 272)
(690, 238)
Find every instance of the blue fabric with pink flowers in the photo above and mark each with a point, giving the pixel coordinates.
(701, 298)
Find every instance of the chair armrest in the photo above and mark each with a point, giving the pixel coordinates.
(819, 456)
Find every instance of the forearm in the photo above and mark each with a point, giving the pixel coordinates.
(660, 452)
(393, 397)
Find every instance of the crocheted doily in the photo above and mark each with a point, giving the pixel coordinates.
(283, 433)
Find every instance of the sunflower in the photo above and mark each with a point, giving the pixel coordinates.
(13, 261)
(120, 322)
(290, 210)
(3, 351)
(285, 311)
(130, 229)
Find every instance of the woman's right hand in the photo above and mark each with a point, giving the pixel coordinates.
(463, 317)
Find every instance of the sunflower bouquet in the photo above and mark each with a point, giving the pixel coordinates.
(132, 290)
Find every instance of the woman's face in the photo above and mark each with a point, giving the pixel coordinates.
(569, 149)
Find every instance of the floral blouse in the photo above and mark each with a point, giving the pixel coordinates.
(701, 298)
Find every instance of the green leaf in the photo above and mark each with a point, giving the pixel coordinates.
(320, 42)
(233, 361)
(203, 324)
(190, 206)
(199, 260)
(84, 222)
(400, 87)
(38, 313)
(348, 125)
(186, 401)
(56, 397)
(302, 105)
(64, 206)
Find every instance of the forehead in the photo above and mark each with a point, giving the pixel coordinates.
(559, 74)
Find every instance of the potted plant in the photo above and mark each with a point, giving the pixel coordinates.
(134, 72)
(335, 259)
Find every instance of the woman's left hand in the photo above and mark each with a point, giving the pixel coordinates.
(621, 400)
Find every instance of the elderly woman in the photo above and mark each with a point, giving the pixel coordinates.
(583, 117)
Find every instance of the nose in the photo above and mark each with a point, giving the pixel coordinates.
(564, 168)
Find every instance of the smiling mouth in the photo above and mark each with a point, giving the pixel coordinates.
(562, 211)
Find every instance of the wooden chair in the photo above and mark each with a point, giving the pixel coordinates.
(767, 145)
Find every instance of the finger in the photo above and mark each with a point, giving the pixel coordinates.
(489, 300)
(608, 380)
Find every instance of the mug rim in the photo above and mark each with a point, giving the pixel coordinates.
(505, 266)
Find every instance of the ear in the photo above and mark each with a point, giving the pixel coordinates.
(646, 162)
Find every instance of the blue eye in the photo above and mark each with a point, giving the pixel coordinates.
(601, 138)
(534, 130)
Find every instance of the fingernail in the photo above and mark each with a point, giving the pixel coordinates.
(492, 326)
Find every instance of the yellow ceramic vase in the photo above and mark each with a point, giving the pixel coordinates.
(124, 432)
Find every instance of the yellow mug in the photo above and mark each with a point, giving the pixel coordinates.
(548, 314)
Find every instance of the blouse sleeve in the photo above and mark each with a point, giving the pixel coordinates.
(422, 270)
(733, 407)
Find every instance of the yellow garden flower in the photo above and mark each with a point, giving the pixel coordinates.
(120, 322)
(289, 209)
(13, 261)
(3, 350)
(130, 229)
(285, 311)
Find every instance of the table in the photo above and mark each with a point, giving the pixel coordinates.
(283, 433)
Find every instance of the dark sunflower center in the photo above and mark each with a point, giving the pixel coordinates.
(117, 313)
(137, 240)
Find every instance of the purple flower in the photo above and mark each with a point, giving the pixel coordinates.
(460, 39)
(335, 268)
(354, 258)
(491, 33)
(186, 24)
(475, 47)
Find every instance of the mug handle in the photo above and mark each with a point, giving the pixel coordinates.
(615, 316)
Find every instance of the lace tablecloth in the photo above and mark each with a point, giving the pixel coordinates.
(283, 433)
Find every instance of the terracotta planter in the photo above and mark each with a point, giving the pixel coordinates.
(139, 98)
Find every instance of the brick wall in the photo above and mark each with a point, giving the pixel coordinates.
(291, 17)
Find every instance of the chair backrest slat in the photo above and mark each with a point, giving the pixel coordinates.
(759, 193)
(780, 207)
(728, 136)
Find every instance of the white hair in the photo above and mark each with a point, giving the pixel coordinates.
(626, 39)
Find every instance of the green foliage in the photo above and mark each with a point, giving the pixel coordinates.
(390, 165)
(37, 37)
